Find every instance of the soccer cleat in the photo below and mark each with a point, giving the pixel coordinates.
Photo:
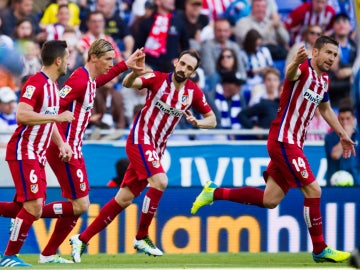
(147, 246)
(331, 255)
(205, 197)
(77, 248)
(12, 261)
(53, 259)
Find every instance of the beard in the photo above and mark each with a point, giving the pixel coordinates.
(179, 77)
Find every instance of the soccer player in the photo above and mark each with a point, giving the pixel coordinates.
(305, 89)
(36, 115)
(77, 95)
(169, 98)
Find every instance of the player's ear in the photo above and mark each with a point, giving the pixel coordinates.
(175, 61)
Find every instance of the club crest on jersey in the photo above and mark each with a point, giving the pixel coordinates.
(312, 97)
(64, 91)
(184, 100)
(156, 164)
(304, 174)
(82, 186)
(34, 188)
(29, 91)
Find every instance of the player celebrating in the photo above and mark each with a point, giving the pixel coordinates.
(305, 89)
(36, 114)
(78, 95)
(170, 97)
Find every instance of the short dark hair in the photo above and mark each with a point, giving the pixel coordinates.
(193, 53)
(51, 50)
(323, 40)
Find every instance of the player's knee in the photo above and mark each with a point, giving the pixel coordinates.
(270, 204)
(81, 207)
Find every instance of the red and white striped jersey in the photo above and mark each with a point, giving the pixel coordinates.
(31, 141)
(304, 16)
(215, 8)
(163, 109)
(77, 96)
(298, 103)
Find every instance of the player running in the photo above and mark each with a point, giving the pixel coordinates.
(305, 88)
(169, 98)
(36, 114)
(78, 96)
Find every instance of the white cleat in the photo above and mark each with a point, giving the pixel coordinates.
(53, 259)
(77, 248)
(147, 246)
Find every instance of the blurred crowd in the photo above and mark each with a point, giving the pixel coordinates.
(245, 46)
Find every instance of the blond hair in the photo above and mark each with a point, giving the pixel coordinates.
(99, 47)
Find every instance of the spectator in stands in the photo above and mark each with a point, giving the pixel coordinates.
(316, 11)
(260, 115)
(229, 100)
(308, 38)
(272, 84)
(55, 31)
(137, 16)
(121, 167)
(163, 36)
(5, 41)
(318, 124)
(334, 149)
(76, 58)
(132, 97)
(8, 123)
(31, 57)
(211, 49)
(96, 24)
(19, 10)
(108, 110)
(116, 27)
(347, 7)
(256, 58)
(50, 14)
(195, 22)
(23, 30)
(272, 30)
(341, 72)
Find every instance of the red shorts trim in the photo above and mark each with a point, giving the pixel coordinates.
(29, 179)
(289, 166)
(144, 162)
(72, 175)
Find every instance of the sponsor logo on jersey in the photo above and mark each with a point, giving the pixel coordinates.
(304, 174)
(312, 96)
(64, 91)
(34, 188)
(29, 91)
(184, 100)
(165, 108)
(52, 110)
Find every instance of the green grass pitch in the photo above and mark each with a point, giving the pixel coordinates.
(242, 260)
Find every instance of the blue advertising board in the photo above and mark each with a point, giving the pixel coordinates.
(191, 164)
(222, 227)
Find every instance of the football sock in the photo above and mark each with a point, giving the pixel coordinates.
(57, 210)
(313, 220)
(62, 229)
(150, 205)
(9, 209)
(19, 233)
(105, 217)
(244, 195)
